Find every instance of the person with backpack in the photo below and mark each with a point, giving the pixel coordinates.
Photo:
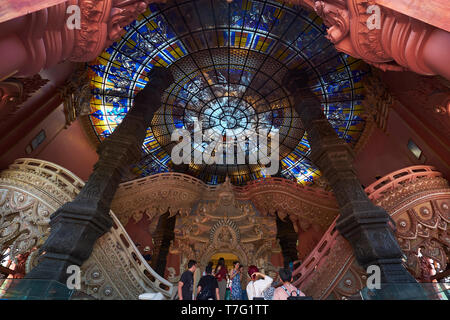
(208, 287)
(210, 264)
(268, 293)
(287, 291)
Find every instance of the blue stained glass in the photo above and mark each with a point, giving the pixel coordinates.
(227, 89)
(97, 114)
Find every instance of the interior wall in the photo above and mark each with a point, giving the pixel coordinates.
(36, 108)
(71, 150)
(139, 231)
(68, 148)
(307, 240)
(173, 264)
(388, 151)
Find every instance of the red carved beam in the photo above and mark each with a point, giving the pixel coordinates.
(401, 41)
(10, 9)
(43, 38)
(385, 38)
(433, 12)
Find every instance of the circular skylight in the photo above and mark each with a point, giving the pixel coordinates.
(228, 61)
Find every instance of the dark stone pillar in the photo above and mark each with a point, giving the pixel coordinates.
(362, 223)
(76, 225)
(288, 240)
(165, 233)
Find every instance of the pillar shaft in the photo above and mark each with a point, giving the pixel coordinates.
(163, 236)
(362, 223)
(78, 224)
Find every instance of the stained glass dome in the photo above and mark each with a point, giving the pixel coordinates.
(228, 61)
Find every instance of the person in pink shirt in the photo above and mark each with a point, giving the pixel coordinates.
(287, 289)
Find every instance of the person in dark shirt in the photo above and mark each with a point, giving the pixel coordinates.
(208, 288)
(186, 283)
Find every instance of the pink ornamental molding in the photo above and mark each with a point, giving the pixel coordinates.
(433, 12)
(44, 38)
(398, 178)
(11, 9)
(385, 38)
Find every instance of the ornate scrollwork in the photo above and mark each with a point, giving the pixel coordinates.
(395, 42)
(225, 232)
(420, 208)
(24, 221)
(15, 91)
(336, 17)
(76, 94)
(30, 191)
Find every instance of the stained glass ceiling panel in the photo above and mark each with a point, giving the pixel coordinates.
(228, 61)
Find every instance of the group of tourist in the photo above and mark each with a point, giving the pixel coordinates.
(213, 285)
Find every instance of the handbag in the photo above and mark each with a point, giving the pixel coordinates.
(296, 297)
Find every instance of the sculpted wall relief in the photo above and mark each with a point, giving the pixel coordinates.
(30, 191)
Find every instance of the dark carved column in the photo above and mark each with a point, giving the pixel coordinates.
(288, 240)
(78, 224)
(163, 236)
(362, 223)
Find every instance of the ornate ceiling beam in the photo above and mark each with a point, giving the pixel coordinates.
(433, 12)
(385, 38)
(179, 192)
(10, 9)
(398, 42)
(45, 37)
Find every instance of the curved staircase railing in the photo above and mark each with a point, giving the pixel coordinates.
(375, 191)
(397, 178)
(158, 283)
(302, 273)
(61, 185)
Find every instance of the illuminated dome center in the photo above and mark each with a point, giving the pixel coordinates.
(230, 97)
(227, 113)
(228, 61)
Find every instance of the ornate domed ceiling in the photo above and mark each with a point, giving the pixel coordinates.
(228, 60)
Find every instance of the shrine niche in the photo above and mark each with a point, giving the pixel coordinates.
(225, 225)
